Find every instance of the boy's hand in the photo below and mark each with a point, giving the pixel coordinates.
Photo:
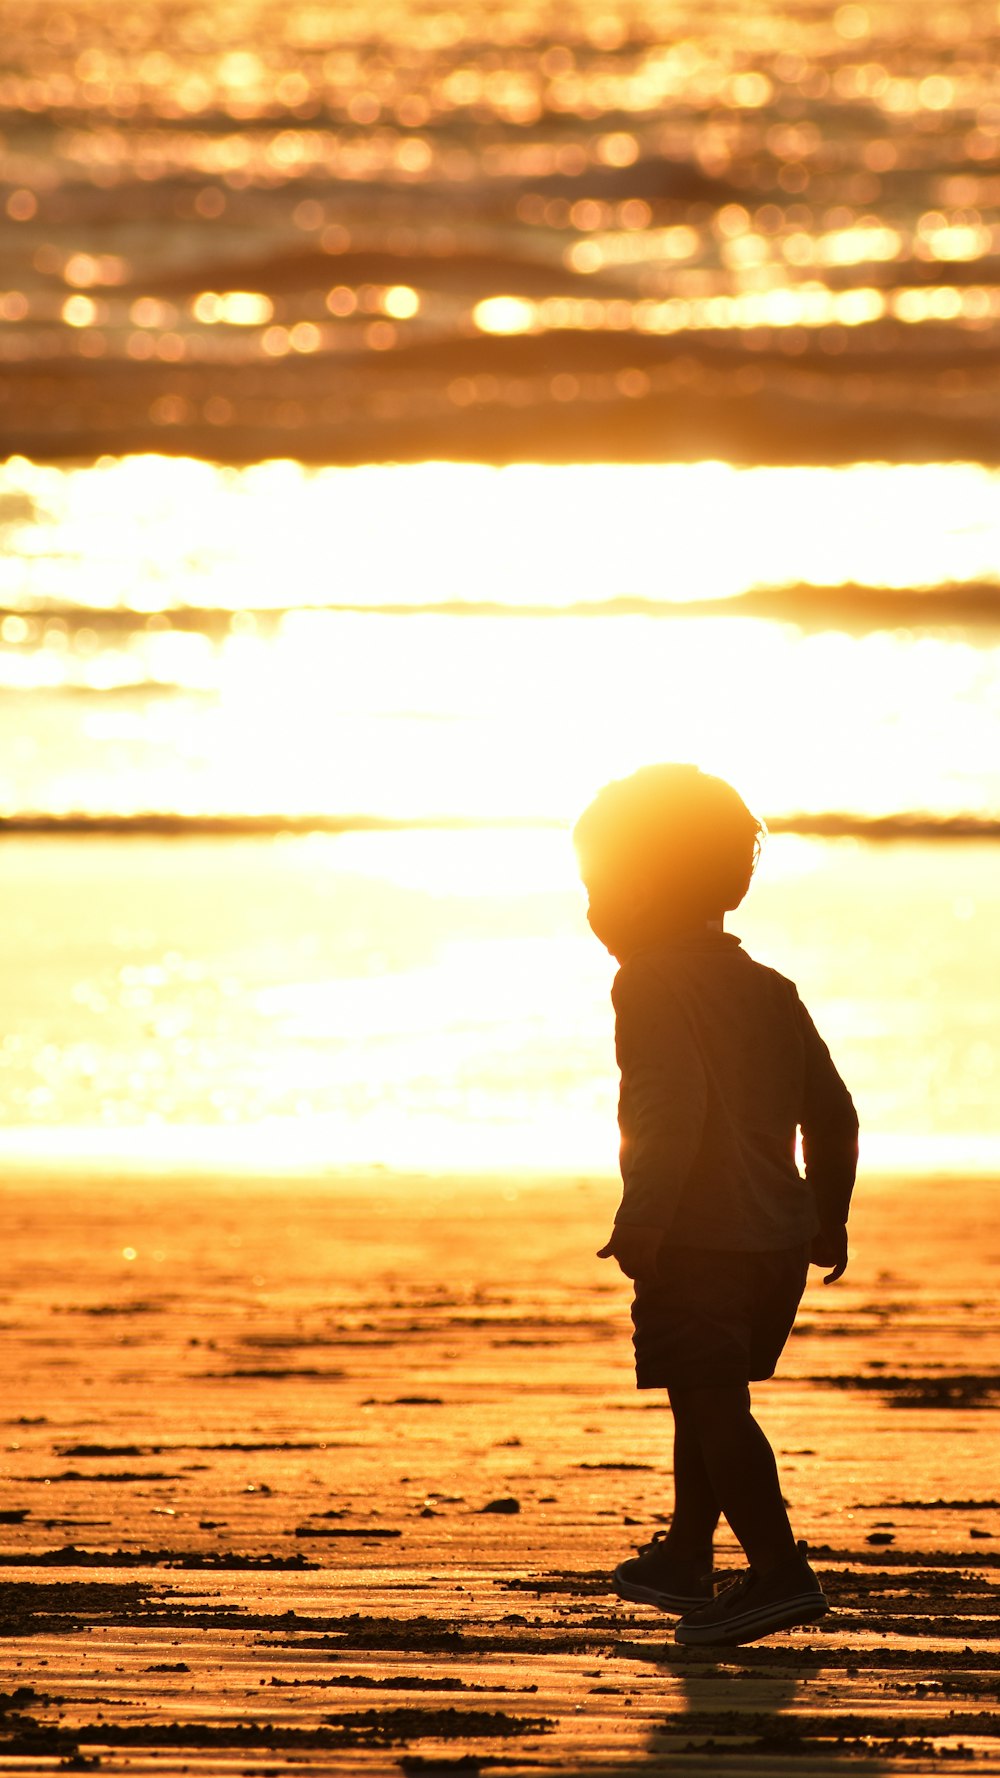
(830, 1249)
(636, 1247)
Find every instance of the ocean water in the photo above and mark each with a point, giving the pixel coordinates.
(434, 1001)
(286, 823)
(414, 418)
(501, 232)
(468, 642)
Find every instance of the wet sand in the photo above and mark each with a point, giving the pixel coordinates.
(330, 1473)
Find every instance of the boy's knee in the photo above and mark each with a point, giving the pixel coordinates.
(709, 1404)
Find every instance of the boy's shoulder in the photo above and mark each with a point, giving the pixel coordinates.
(681, 966)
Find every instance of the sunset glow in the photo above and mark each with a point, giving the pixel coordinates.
(415, 420)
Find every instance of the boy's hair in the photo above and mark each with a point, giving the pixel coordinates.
(691, 833)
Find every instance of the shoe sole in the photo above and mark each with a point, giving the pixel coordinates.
(750, 1625)
(640, 1595)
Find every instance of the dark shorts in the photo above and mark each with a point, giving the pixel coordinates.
(713, 1316)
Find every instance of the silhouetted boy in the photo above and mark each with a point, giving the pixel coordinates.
(720, 1066)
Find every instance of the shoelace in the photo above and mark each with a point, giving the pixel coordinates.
(651, 1549)
(658, 1537)
(734, 1592)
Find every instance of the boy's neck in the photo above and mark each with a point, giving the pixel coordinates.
(668, 932)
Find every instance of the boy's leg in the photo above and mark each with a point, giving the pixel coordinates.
(674, 1571)
(696, 1507)
(740, 1468)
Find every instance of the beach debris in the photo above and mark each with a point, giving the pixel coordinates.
(276, 1373)
(410, 1722)
(615, 1465)
(363, 1728)
(70, 1556)
(403, 1401)
(562, 1581)
(344, 1531)
(433, 1766)
(108, 1450)
(24, 1694)
(926, 1506)
(958, 1390)
(107, 1475)
(505, 1504)
(99, 1309)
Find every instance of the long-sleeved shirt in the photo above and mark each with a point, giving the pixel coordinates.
(721, 1065)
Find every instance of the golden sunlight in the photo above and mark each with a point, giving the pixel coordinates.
(521, 678)
(559, 536)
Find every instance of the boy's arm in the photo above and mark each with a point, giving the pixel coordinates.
(829, 1146)
(663, 1101)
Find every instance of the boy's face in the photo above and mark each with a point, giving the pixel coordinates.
(617, 912)
(628, 912)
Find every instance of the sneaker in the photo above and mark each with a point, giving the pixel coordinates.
(755, 1605)
(653, 1577)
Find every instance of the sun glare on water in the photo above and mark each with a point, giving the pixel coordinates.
(446, 654)
(435, 1001)
(149, 533)
(444, 641)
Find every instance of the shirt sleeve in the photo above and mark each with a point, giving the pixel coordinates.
(829, 1125)
(661, 1111)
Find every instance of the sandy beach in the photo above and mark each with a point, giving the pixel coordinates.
(331, 1472)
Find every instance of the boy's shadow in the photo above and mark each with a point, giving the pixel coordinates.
(741, 1693)
(727, 1706)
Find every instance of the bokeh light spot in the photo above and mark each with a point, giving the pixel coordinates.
(22, 205)
(504, 315)
(79, 311)
(400, 302)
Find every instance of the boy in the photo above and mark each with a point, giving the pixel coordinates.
(720, 1065)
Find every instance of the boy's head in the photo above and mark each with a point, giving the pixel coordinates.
(667, 848)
